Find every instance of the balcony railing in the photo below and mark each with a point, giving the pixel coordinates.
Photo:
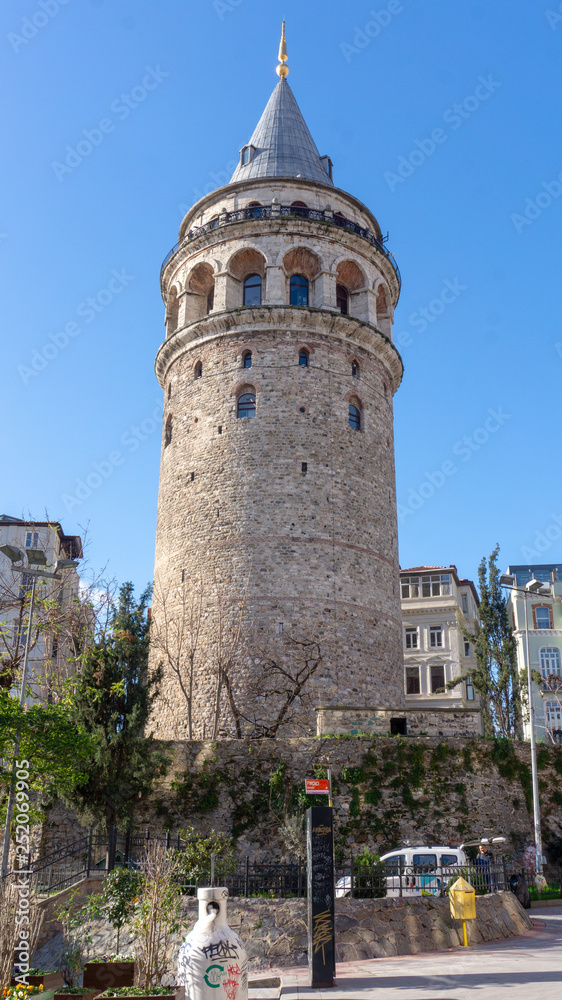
(281, 212)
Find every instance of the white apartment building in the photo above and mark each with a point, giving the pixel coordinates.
(48, 658)
(536, 618)
(434, 603)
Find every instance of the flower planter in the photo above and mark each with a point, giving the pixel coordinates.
(79, 995)
(49, 981)
(175, 993)
(101, 976)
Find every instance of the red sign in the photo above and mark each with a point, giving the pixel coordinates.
(317, 786)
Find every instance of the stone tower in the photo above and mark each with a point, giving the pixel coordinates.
(277, 535)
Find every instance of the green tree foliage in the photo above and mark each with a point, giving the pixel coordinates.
(194, 861)
(116, 902)
(56, 746)
(112, 697)
(496, 676)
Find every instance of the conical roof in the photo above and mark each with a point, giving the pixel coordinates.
(282, 144)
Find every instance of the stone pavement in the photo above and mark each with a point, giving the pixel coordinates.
(522, 968)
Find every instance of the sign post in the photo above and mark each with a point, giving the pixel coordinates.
(320, 856)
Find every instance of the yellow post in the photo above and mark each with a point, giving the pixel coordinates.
(462, 900)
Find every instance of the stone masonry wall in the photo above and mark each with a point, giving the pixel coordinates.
(274, 931)
(386, 790)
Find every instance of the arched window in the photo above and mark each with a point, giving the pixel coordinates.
(542, 617)
(354, 417)
(246, 405)
(299, 208)
(342, 299)
(303, 357)
(299, 290)
(550, 662)
(252, 290)
(355, 369)
(210, 299)
(247, 360)
(168, 431)
(255, 210)
(199, 369)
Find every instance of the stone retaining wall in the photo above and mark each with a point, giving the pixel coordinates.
(274, 931)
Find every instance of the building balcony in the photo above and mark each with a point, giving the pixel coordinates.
(275, 213)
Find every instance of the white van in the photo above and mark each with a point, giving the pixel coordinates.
(411, 870)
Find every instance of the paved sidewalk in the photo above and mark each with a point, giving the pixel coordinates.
(522, 968)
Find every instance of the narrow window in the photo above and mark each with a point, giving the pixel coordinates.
(354, 417)
(550, 662)
(199, 369)
(435, 636)
(192, 476)
(304, 467)
(168, 431)
(210, 299)
(411, 638)
(169, 390)
(252, 290)
(246, 405)
(303, 358)
(437, 677)
(247, 360)
(464, 602)
(466, 647)
(299, 290)
(342, 299)
(32, 540)
(542, 617)
(245, 155)
(355, 369)
(469, 689)
(412, 680)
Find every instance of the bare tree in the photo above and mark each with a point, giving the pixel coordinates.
(286, 694)
(157, 914)
(227, 652)
(176, 637)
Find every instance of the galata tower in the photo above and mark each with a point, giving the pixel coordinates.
(276, 573)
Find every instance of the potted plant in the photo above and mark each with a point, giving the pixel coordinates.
(75, 939)
(110, 970)
(48, 979)
(156, 919)
(80, 992)
(116, 904)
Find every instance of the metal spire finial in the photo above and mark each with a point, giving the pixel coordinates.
(282, 70)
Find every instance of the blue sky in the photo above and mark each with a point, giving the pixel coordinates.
(443, 118)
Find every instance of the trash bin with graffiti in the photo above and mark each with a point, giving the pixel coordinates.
(212, 963)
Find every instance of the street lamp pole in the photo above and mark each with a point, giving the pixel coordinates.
(36, 556)
(532, 587)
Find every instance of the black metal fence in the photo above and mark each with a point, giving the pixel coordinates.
(284, 211)
(94, 855)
